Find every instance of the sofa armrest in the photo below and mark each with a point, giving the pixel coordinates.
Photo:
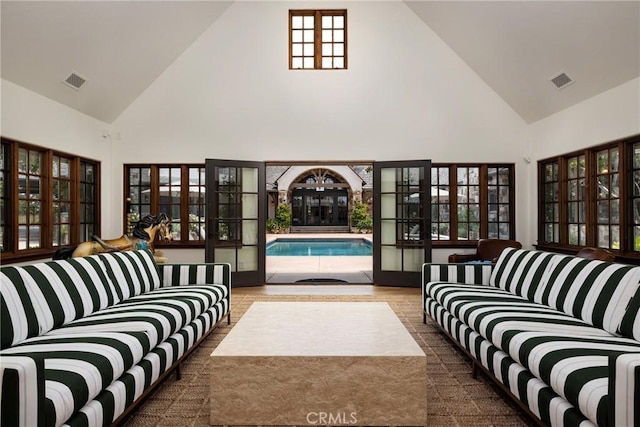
(195, 274)
(624, 390)
(21, 390)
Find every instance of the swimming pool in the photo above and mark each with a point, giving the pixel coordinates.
(319, 247)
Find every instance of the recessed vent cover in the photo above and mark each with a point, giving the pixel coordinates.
(75, 80)
(560, 81)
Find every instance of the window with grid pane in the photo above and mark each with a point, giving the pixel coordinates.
(61, 201)
(41, 201)
(440, 207)
(88, 199)
(169, 196)
(499, 203)
(576, 204)
(598, 199)
(608, 198)
(634, 182)
(196, 204)
(139, 184)
(318, 39)
(177, 190)
(5, 182)
(550, 203)
(468, 195)
(29, 198)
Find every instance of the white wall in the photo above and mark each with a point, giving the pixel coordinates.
(29, 117)
(406, 95)
(609, 116)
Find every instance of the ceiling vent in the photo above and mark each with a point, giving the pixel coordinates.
(75, 80)
(560, 81)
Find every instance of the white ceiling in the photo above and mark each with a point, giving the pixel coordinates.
(517, 46)
(121, 47)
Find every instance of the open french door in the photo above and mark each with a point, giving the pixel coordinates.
(236, 217)
(401, 221)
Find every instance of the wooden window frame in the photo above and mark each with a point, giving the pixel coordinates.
(11, 253)
(318, 14)
(625, 252)
(154, 200)
(454, 241)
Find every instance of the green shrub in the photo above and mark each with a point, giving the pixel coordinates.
(360, 218)
(282, 220)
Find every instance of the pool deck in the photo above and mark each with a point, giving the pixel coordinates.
(290, 269)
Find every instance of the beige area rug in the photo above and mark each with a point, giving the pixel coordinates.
(454, 398)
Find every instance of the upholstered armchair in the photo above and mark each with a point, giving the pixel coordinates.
(596, 253)
(487, 250)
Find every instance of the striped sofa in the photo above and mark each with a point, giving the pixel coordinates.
(83, 340)
(560, 334)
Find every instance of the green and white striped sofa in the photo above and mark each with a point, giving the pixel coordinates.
(560, 334)
(83, 340)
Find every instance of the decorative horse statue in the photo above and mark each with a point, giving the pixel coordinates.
(144, 233)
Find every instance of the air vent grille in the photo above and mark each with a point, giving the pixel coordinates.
(560, 81)
(75, 80)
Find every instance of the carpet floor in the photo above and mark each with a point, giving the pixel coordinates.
(454, 397)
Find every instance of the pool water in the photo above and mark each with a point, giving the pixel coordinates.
(319, 247)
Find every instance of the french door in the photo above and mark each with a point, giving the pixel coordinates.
(401, 221)
(236, 217)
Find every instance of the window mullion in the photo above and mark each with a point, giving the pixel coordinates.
(185, 184)
(317, 40)
(623, 200)
(453, 209)
(483, 181)
(46, 200)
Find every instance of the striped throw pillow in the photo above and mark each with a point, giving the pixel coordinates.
(132, 272)
(37, 298)
(595, 291)
(521, 271)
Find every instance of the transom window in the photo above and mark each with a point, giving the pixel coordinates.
(592, 198)
(318, 39)
(48, 199)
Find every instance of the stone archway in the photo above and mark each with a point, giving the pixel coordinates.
(320, 196)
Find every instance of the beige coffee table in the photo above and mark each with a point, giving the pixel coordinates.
(319, 363)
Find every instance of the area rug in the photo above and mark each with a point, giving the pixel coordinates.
(454, 397)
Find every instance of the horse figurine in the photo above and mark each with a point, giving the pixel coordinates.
(143, 235)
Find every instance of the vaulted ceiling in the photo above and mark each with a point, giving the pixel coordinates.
(121, 47)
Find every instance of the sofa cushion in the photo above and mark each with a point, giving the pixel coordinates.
(597, 292)
(158, 313)
(521, 271)
(78, 367)
(36, 298)
(491, 312)
(132, 272)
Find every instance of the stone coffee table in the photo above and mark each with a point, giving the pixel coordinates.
(318, 363)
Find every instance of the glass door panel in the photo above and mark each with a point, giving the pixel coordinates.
(236, 233)
(401, 216)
